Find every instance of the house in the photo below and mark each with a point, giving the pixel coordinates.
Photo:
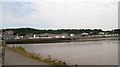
(84, 34)
(72, 35)
(59, 35)
(101, 33)
(9, 32)
(56, 36)
(8, 35)
(64, 35)
(45, 35)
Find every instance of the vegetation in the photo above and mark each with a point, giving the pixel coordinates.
(49, 61)
(20, 48)
(24, 31)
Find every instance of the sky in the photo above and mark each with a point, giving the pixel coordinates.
(59, 14)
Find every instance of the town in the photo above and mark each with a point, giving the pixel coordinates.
(30, 33)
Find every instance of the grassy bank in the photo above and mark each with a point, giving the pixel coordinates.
(20, 50)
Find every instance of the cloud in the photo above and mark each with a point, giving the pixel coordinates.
(61, 14)
(59, 0)
(0, 15)
(18, 9)
(17, 13)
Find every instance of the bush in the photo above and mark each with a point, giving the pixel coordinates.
(20, 48)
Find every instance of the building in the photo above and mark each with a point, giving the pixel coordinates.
(84, 34)
(72, 35)
(58, 35)
(8, 35)
(101, 33)
(9, 32)
(45, 35)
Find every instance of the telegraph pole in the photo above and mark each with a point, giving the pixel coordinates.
(3, 52)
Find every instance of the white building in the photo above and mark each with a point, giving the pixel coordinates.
(84, 34)
(72, 35)
(101, 33)
(63, 36)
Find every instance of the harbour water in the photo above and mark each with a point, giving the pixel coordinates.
(81, 53)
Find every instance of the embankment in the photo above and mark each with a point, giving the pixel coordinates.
(57, 40)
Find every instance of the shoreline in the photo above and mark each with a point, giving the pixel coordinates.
(21, 51)
(60, 40)
(96, 39)
(35, 56)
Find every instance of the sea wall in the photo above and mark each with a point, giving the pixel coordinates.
(57, 40)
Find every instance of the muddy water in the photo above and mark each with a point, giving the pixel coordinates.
(81, 53)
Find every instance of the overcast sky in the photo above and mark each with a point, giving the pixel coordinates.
(56, 14)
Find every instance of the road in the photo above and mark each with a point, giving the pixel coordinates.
(12, 58)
